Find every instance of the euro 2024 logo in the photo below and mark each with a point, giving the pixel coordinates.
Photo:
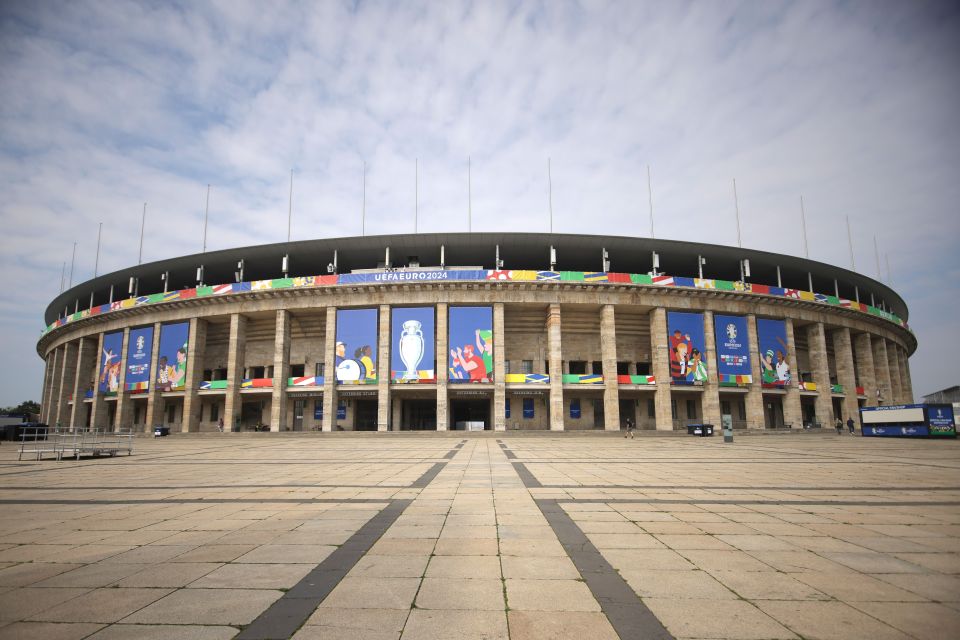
(731, 332)
(140, 342)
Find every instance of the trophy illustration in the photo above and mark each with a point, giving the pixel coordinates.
(411, 348)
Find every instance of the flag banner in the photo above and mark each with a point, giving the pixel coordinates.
(471, 344)
(355, 352)
(685, 341)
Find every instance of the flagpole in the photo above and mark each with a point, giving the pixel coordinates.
(550, 193)
(650, 197)
(143, 223)
(206, 216)
(803, 221)
(736, 206)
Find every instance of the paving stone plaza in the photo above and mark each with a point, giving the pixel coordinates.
(485, 536)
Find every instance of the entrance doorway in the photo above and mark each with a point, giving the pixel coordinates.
(465, 411)
(772, 412)
(628, 409)
(366, 415)
(251, 415)
(418, 415)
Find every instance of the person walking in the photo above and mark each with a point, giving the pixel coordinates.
(629, 433)
(220, 425)
(839, 426)
(851, 425)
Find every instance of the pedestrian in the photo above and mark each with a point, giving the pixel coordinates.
(851, 425)
(629, 433)
(839, 426)
(220, 425)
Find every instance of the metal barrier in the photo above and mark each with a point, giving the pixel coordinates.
(40, 440)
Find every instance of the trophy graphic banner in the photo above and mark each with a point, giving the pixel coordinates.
(412, 345)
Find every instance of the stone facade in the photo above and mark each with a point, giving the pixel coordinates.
(538, 328)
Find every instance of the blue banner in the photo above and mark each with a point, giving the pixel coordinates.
(527, 408)
(686, 341)
(412, 344)
(356, 349)
(172, 356)
(772, 340)
(506, 407)
(411, 276)
(139, 349)
(109, 378)
(318, 409)
(733, 348)
(471, 344)
(915, 431)
(575, 409)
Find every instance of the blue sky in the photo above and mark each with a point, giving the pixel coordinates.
(110, 105)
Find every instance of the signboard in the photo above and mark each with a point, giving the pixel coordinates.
(109, 378)
(318, 409)
(506, 407)
(471, 344)
(139, 349)
(685, 340)
(575, 409)
(893, 414)
(772, 341)
(527, 408)
(733, 349)
(172, 356)
(355, 357)
(341, 412)
(412, 345)
(941, 420)
(917, 431)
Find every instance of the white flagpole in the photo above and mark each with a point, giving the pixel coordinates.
(550, 193)
(803, 222)
(736, 205)
(650, 197)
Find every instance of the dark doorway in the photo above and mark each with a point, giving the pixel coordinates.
(628, 410)
(418, 415)
(773, 412)
(366, 415)
(251, 415)
(464, 411)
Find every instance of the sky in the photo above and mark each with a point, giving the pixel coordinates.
(107, 105)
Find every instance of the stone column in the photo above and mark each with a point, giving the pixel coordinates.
(235, 359)
(792, 413)
(499, 370)
(660, 361)
(97, 413)
(905, 383)
(868, 378)
(711, 388)
(330, 371)
(555, 351)
(893, 362)
(817, 344)
(846, 376)
(124, 399)
(68, 372)
(443, 355)
(281, 371)
(153, 391)
(608, 356)
(85, 360)
(383, 371)
(881, 370)
(196, 352)
(754, 398)
(49, 393)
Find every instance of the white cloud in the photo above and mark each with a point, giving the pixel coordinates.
(110, 105)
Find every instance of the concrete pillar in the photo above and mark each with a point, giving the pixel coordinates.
(754, 398)
(46, 408)
(499, 370)
(330, 371)
(660, 361)
(711, 388)
(235, 360)
(281, 371)
(555, 357)
(817, 344)
(396, 413)
(608, 356)
(893, 361)
(68, 372)
(383, 371)
(868, 378)
(153, 392)
(905, 383)
(124, 400)
(196, 351)
(98, 412)
(792, 413)
(881, 370)
(846, 376)
(443, 356)
(85, 362)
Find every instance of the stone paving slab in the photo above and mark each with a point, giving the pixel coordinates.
(474, 536)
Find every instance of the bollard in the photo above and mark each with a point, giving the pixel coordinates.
(727, 420)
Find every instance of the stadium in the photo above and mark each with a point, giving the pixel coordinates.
(493, 331)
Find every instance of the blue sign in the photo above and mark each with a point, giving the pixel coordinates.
(940, 416)
(772, 340)
(575, 409)
(527, 408)
(172, 356)
(318, 409)
(506, 407)
(686, 341)
(471, 344)
(897, 431)
(356, 349)
(436, 275)
(341, 412)
(733, 348)
(109, 378)
(412, 344)
(139, 349)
